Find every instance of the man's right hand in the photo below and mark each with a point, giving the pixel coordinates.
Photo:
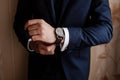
(43, 48)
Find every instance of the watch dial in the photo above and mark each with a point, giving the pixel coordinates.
(59, 32)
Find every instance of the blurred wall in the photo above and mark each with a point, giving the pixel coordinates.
(13, 58)
(105, 59)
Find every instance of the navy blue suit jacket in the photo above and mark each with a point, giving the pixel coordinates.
(89, 24)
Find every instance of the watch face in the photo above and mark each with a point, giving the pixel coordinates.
(59, 32)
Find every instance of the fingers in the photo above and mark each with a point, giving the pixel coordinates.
(33, 22)
(42, 49)
(33, 27)
(46, 50)
(34, 32)
(36, 38)
(34, 46)
(43, 34)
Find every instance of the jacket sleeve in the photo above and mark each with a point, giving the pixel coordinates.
(100, 30)
(23, 14)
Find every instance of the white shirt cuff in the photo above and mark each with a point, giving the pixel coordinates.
(66, 39)
(28, 45)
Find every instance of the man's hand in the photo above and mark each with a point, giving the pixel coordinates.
(42, 48)
(41, 31)
(42, 35)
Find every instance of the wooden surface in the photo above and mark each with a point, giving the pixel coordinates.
(13, 58)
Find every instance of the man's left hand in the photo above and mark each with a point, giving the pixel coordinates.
(42, 33)
(39, 30)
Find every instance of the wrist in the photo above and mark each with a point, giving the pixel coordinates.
(59, 33)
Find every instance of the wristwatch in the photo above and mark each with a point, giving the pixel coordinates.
(59, 35)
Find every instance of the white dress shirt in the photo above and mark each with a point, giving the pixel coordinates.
(63, 47)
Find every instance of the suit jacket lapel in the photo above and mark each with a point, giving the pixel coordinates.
(63, 9)
(50, 5)
(65, 12)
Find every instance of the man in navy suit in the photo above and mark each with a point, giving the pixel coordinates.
(59, 33)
